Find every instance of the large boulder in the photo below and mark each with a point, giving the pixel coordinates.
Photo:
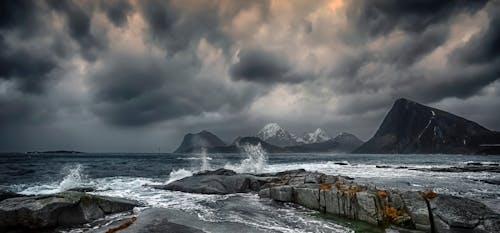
(8, 194)
(221, 181)
(62, 209)
(457, 214)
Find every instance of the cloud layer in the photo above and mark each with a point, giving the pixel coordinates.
(127, 75)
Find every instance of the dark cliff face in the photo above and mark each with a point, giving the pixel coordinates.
(196, 142)
(410, 127)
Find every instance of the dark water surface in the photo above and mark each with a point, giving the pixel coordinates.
(126, 175)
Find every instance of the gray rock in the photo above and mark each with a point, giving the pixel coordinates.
(8, 194)
(221, 181)
(62, 209)
(418, 210)
(265, 193)
(307, 197)
(367, 208)
(282, 193)
(458, 212)
(154, 221)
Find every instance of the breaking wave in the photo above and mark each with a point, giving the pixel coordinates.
(255, 162)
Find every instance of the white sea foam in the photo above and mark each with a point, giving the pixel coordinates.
(73, 179)
(179, 174)
(255, 162)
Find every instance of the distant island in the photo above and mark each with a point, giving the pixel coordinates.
(55, 152)
(408, 128)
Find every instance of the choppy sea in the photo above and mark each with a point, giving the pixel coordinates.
(128, 175)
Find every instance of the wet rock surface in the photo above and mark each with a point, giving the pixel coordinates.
(154, 221)
(61, 209)
(409, 211)
(220, 181)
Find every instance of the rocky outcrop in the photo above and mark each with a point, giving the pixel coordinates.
(62, 209)
(410, 211)
(220, 181)
(8, 194)
(194, 143)
(410, 127)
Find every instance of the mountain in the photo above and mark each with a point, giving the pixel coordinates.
(343, 143)
(239, 142)
(317, 136)
(347, 142)
(196, 142)
(410, 127)
(273, 133)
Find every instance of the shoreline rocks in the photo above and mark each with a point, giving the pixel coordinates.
(410, 211)
(61, 209)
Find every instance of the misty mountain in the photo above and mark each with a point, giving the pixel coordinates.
(319, 135)
(410, 127)
(195, 142)
(343, 143)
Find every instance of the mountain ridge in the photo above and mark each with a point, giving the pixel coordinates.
(411, 127)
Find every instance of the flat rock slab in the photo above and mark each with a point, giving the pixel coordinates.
(154, 220)
(62, 209)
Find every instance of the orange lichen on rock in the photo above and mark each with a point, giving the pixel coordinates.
(340, 186)
(429, 194)
(382, 193)
(391, 212)
(354, 189)
(325, 186)
(122, 226)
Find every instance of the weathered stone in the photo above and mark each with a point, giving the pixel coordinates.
(307, 197)
(63, 209)
(265, 193)
(418, 210)
(154, 221)
(330, 202)
(458, 212)
(282, 193)
(367, 208)
(8, 194)
(216, 184)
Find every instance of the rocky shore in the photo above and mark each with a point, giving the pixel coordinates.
(410, 211)
(396, 211)
(43, 212)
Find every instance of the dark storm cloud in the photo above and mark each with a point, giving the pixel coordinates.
(30, 69)
(483, 47)
(176, 67)
(134, 90)
(261, 66)
(380, 17)
(78, 23)
(176, 28)
(422, 26)
(116, 10)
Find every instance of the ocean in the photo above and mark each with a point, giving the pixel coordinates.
(128, 175)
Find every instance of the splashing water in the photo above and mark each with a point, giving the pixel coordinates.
(73, 179)
(254, 163)
(179, 174)
(205, 165)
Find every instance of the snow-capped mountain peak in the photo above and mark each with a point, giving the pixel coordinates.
(270, 130)
(319, 135)
(275, 134)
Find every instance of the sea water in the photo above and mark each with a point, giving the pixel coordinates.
(129, 175)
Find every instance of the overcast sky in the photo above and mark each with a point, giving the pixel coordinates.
(135, 76)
